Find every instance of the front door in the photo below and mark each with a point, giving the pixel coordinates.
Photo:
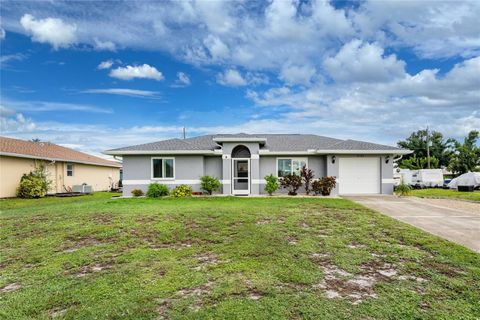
(241, 176)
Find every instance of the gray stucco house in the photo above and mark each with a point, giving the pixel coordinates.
(241, 161)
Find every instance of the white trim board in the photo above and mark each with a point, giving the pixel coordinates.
(171, 181)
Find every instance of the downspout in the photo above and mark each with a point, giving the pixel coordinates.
(52, 163)
(399, 157)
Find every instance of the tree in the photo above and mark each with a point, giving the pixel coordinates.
(466, 157)
(414, 163)
(440, 148)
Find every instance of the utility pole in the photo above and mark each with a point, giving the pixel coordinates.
(428, 149)
(184, 133)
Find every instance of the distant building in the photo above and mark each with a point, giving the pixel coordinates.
(65, 167)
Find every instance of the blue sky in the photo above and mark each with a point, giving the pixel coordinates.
(99, 75)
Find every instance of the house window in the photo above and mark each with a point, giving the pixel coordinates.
(163, 168)
(69, 170)
(290, 166)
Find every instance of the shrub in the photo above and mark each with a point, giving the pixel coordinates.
(209, 184)
(272, 184)
(137, 192)
(292, 182)
(182, 191)
(156, 190)
(307, 176)
(324, 185)
(403, 189)
(34, 184)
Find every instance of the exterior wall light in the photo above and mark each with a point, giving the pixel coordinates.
(387, 159)
(333, 159)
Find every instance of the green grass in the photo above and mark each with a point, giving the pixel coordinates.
(51, 200)
(446, 193)
(226, 258)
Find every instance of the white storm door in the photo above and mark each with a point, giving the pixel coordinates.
(241, 176)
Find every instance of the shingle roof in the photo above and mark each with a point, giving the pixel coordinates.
(49, 151)
(274, 143)
(358, 145)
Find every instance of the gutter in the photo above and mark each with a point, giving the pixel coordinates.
(166, 152)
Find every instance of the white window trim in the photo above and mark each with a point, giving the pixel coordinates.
(163, 168)
(66, 169)
(289, 158)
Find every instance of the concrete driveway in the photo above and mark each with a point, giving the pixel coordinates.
(454, 220)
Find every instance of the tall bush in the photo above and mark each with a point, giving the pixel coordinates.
(271, 184)
(307, 176)
(156, 190)
(34, 184)
(292, 183)
(209, 184)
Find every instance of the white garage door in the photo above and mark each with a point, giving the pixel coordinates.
(359, 175)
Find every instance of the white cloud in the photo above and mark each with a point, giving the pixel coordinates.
(232, 78)
(294, 74)
(105, 64)
(144, 71)
(218, 50)
(4, 59)
(363, 62)
(12, 121)
(49, 106)
(124, 92)
(50, 30)
(182, 80)
(104, 45)
(3, 34)
(431, 28)
(384, 111)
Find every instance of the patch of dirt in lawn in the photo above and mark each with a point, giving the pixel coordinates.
(56, 312)
(86, 270)
(145, 220)
(103, 218)
(443, 268)
(206, 260)
(341, 284)
(355, 245)
(304, 225)
(196, 293)
(11, 287)
(263, 221)
(292, 240)
(74, 244)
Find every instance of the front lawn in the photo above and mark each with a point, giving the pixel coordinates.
(446, 193)
(227, 258)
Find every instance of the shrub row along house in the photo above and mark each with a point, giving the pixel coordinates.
(241, 161)
(65, 167)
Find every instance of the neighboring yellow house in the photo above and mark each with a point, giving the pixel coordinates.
(65, 167)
